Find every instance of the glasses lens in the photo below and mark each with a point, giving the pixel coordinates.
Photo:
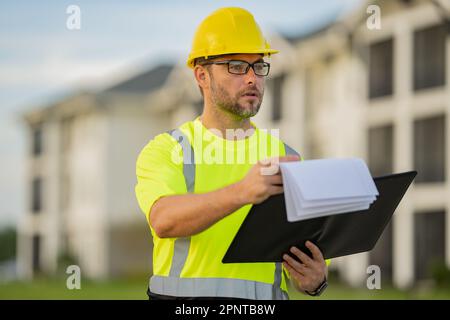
(237, 67)
(261, 68)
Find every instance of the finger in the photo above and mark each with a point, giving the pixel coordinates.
(317, 254)
(275, 160)
(270, 170)
(273, 190)
(271, 166)
(294, 274)
(275, 179)
(269, 161)
(288, 158)
(294, 263)
(306, 271)
(302, 256)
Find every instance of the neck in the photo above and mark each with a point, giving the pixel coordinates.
(216, 118)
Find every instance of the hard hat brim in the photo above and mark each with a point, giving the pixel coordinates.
(196, 55)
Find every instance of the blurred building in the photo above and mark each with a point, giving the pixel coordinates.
(344, 90)
(382, 95)
(81, 177)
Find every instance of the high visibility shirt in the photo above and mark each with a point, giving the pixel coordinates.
(194, 159)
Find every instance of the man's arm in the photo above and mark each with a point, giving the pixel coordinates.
(186, 215)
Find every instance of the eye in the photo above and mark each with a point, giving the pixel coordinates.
(259, 66)
(238, 66)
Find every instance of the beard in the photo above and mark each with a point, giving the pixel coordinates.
(238, 105)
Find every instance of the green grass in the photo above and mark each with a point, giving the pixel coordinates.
(56, 289)
(337, 291)
(136, 289)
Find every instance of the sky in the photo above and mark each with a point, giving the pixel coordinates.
(41, 60)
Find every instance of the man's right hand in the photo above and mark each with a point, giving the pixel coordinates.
(263, 180)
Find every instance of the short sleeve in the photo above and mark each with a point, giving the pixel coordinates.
(158, 172)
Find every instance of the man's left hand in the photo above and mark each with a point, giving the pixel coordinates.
(307, 273)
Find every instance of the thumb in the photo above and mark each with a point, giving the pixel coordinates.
(289, 158)
(276, 160)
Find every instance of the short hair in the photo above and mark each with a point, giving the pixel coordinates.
(200, 61)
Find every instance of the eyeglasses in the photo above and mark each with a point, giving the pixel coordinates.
(260, 68)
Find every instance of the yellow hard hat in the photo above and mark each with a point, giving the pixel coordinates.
(227, 31)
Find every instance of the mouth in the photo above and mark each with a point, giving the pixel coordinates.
(251, 94)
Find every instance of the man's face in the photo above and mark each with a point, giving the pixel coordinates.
(239, 94)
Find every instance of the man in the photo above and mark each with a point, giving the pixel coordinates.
(195, 206)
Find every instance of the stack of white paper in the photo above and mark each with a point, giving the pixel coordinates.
(316, 188)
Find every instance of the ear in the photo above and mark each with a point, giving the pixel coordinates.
(202, 76)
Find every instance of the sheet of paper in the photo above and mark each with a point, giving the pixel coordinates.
(316, 188)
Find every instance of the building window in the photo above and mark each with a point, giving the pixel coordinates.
(429, 149)
(380, 147)
(380, 162)
(381, 255)
(429, 242)
(36, 195)
(277, 99)
(429, 57)
(381, 69)
(36, 253)
(37, 141)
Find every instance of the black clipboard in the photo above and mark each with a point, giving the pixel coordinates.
(265, 235)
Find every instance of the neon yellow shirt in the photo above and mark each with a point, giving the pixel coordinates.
(160, 173)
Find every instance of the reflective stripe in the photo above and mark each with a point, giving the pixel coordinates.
(216, 287)
(188, 158)
(182, 244)
(180, 254)
(278, 276)
(278, 265)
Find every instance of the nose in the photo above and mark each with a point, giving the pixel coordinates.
(250, 76)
